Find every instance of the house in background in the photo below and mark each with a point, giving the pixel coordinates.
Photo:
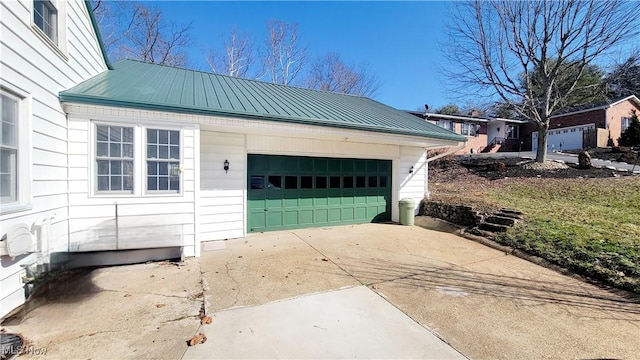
(116, 164)
(473, 128)
(590, 127)
(483, 134)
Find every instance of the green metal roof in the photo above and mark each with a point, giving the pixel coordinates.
(140, 85)
(94, 24)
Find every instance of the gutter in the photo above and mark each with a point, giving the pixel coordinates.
(448, 152)
(66, 97)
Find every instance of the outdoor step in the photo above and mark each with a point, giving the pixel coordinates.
(483, 233)
(493, 227)
(508, 215)
(501, 220)
(511, 211)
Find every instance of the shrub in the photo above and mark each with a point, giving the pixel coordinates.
(631, 136)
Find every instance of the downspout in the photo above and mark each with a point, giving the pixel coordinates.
(446, 153)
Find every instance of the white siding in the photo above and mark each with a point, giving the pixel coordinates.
(412, 185)
(568, 138)
(38, 71)
(222, 195)
(260, 144)
(129, 221)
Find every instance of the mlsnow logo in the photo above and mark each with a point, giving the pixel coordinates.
(9, 352)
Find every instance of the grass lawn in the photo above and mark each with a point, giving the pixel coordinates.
(590, 226)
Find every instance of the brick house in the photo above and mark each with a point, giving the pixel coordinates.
(590, 127)
(484, 134)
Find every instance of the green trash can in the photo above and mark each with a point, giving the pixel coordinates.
(407, 214)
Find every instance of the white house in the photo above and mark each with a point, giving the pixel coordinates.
(45, 47)
(136, 161)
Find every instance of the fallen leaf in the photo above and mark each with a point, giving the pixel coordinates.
(91, 334)
(159, 305)
(127, 295)
(197, 339)
(323, 259)
(206, 320)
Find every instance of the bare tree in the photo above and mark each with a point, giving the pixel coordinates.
(136, 31)
(284, 57)
(236, 57)
(330, 73)
(498, 44)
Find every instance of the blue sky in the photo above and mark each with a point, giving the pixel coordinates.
(398, 40)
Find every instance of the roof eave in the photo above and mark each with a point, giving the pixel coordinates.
(94, 24)
(83, 99)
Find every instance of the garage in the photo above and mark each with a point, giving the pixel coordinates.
(289, 192)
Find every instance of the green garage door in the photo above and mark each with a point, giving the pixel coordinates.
(288, 192)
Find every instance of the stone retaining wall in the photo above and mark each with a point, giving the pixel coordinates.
(457, 214)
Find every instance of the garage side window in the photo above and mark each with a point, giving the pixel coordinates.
(114, 158)
(163, 160)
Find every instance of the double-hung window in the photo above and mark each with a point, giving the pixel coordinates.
(513, 132)
(469, 129)
(626, 123)
(45, 17)
(9, 149)
(447, 124)
(163, 160)
(114, 158)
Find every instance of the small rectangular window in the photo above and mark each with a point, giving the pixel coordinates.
(321, 182)
(275, 182)
(306, 182)
(45, 17)
(334, 182)
(290, 182)
(361, 181)
(257, 182)
(373, 181)
(114, 158)
(383, 181)
(347, 182)
(163, 159)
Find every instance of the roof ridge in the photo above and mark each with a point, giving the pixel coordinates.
(240, 78)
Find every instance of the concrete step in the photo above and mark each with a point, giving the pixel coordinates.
(511, 211)
(501, 220)
(496, 228)
(484, 233)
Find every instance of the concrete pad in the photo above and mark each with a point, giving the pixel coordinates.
(506, 308)
(347, 323)
(374, 253)
(133, 311)
(266, 267)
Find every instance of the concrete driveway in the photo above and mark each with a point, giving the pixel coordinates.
(364, 291)
(400, 292)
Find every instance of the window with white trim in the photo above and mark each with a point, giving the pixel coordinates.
(9, 149)
(469, 129)
(626, 123)
(45, 17)
(447, 124)
(513, 132)
(163, 160)
(15, 150)
(114, 158)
